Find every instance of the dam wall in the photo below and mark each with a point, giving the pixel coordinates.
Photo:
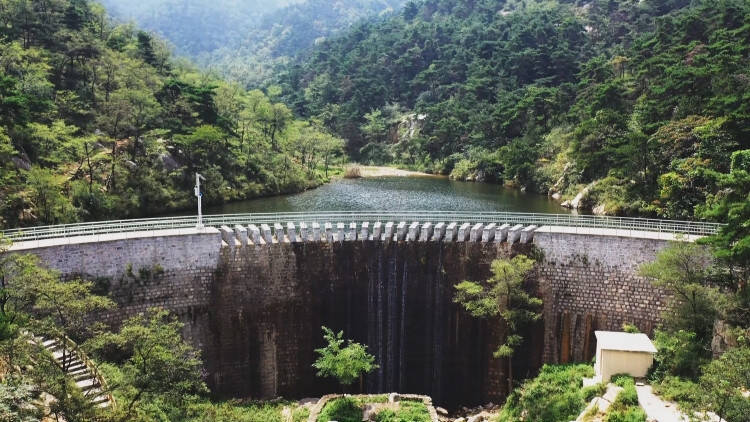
(253, 299)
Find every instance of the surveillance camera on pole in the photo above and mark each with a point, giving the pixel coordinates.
(199, 195)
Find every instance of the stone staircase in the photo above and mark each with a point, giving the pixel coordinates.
(79, 368)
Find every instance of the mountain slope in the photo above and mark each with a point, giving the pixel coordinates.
(97, 121)
(642, 100)
(244, 40)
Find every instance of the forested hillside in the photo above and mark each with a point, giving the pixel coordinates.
(643, 102)
(244, 40)
(195, 26)
(97, 121)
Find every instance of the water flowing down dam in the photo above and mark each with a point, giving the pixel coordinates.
(253, 297)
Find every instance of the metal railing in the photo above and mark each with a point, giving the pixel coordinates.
(150, 224)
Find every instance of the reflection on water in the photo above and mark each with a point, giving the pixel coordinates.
(398, 194)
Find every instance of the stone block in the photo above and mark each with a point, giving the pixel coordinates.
(426, 234)
(388, 235)
(266, 231)
(475, 235)
(401, 231)
(463, 232)
(527, 234)
(304, 233)
(514, 233)
(316, 232)
(364, 233)
(438, 233)
(291, 231)
(413, 232)
(227, 235)
(377, 230)
(278, 230)
(488, 234)
(329, 232)
(254, 233)
(501, 232)
(351, 235)
(340, 232)
(450, 232)
(240, 232)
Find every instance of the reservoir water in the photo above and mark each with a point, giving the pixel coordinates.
(413, 193)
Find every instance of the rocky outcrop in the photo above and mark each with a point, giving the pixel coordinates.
(579, 202)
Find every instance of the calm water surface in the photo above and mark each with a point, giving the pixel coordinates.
(428, 193)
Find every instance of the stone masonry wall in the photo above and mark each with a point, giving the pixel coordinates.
(591, 283)
(255, 310)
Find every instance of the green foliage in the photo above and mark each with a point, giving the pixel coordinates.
(408, 411)
(503, 295)
(679, 353)
(628, 397)
(723, 381)
(642, 95)
(555, 395)
(155, 366)
(231, 411)
(120, 129)
(632, 414)
(17, 401)
(683, 391)
(345, 363)
(343, 409)
(686, 270)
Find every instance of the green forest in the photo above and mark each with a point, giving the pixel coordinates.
(638, 105)
(98, 120)
(245, 41)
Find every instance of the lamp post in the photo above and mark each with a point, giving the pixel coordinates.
(199, 195)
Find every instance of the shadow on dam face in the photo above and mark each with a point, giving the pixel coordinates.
(269, 303)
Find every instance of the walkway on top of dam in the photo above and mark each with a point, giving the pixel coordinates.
(348, 226)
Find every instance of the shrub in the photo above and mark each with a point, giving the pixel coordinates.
(463, 170)
(633, 414)
(592, 391)
(678, 354)
(352, 172)
(554, 395)
(343, 409)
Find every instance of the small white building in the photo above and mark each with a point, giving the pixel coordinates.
(622, 353)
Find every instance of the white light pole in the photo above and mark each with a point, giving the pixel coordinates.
(199, 194)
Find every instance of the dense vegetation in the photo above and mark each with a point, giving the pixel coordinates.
(153, 373)
(244, 41)
(711, 300)
(554, 395)
(647, 98)
(97, 121)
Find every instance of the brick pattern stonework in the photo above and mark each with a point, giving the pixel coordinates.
(591, 283)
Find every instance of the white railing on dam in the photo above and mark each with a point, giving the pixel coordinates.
(695, 228)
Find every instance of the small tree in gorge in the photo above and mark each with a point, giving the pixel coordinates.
(503, 295)
(345, 363)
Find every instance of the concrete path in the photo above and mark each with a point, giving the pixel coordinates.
(663, 411)
(656, 408)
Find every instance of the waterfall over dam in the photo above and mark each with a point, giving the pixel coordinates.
(253, 299)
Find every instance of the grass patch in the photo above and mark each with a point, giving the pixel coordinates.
(631, 414)
(408, 411)
(554, 395)
(235, 411)
(344, 409)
